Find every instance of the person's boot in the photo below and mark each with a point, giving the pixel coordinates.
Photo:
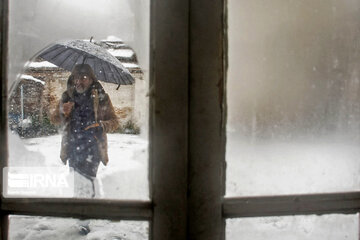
(83, 227)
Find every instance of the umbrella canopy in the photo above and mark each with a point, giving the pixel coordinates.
(66, 54)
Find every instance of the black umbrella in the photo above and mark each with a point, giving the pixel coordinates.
(66, 54)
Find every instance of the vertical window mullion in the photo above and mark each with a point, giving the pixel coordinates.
(206, 130)
(168, 118)
(4, 11)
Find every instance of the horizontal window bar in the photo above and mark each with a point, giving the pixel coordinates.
(291, 205)
(80, 208)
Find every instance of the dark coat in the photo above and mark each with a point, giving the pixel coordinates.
(104, 115)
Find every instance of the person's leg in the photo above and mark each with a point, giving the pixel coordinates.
(98, 188)
(83, 187)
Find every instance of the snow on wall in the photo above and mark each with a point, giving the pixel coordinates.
(126, 53)
(28, 77)
(43, 64)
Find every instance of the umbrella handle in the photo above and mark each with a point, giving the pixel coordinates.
(118, 87)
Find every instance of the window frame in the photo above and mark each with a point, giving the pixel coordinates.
(4, 9)
(166, 213)
(207, 165)
(187, 137)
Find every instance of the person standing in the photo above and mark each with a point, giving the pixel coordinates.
(86, 113)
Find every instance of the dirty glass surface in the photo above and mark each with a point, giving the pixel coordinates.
(293, 93)
(312, 227)
(36, 86)
(35, 227)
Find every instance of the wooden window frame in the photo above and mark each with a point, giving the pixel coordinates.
(209, 209)
(188, 64)
(166, 211)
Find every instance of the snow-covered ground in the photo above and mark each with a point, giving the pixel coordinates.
(275, 167)
(327, 227)
(261, 168)
(46, 228)
(125, 177)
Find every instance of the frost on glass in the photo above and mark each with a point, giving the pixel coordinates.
(293, 97)
(326, 227)
(33, 228)
(36, 86)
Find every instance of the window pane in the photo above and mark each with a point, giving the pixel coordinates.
(327, 227)
(34, 228)
(293, 97)
(40, 90)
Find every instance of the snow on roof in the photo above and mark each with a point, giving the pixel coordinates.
(43, 64)
(125, 53)
(130, 65)
(28, 77)
(115, 44)
(113, 39)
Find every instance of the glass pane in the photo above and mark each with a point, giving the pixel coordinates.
(326, 227)
(34, 228)
(293, 97)
(59, 114)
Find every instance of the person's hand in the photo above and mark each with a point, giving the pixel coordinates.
(96, 129)
(67, 108)
(94, 125)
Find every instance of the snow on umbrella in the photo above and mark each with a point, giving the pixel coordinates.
(66, 54)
